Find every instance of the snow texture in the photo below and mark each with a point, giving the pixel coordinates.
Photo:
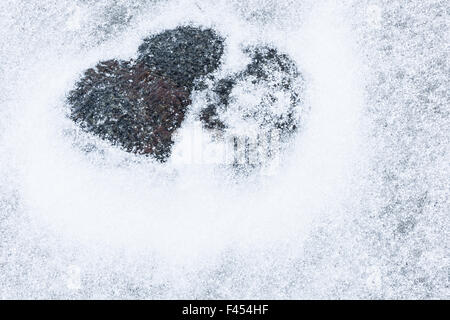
(356, 207)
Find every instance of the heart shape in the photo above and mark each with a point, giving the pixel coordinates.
(139, 104)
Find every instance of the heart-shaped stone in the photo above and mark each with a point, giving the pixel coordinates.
(138, 105)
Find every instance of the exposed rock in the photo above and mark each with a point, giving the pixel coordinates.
(265, 94)
(130, 106)
(183, 54)
(255, 110)
(140, 104)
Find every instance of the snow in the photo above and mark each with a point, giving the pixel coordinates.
(357, 207)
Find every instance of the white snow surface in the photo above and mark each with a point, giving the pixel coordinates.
(358, 206)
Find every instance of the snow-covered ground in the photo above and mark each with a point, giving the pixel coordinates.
(356, 207)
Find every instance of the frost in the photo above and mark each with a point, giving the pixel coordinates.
(358, 207)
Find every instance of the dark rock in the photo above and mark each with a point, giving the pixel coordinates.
(277, 75)
(183, 54)
(140, 104)
(256, 109)
(129, 105)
